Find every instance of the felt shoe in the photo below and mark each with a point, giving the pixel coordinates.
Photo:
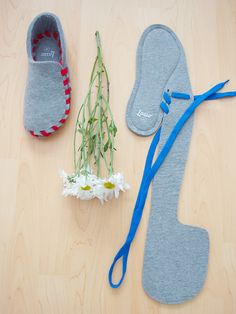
(47, 96)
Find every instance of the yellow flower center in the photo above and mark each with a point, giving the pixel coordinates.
(109, 185)
(86, 188)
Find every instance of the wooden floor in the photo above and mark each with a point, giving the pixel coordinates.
(55, 252)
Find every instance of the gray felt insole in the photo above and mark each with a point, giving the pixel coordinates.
(47, 50)
(157, 57)
(176, 255)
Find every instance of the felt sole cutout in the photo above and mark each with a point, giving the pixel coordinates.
(176, 255)
(158, 53)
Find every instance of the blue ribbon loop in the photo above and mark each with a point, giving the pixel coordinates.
(150, 168)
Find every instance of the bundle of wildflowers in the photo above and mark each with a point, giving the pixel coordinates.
(95, 151)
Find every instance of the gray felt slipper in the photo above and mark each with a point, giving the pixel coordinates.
(176, 255)
(47, 96)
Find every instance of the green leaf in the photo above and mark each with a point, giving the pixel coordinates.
(81, 130)
(113, 128)
(71, 179)
(106, 146)
(92, 119)
(91, 148)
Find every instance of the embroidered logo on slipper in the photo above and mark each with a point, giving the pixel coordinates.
(144, 114)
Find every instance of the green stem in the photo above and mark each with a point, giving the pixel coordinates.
(77, 168)
(112, 137)
(92, 117)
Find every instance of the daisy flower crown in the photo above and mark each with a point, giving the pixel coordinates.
(97, 128)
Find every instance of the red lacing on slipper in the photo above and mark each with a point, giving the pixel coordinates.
(66, 86)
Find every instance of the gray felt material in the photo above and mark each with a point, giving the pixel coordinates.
(45, 99)
(48, 50)
(176, 255)
(157, 57)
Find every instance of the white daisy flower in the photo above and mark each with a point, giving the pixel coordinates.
(106, 189)
(87, 186)
(80, 186)
(69, 183)
(99, 191)
(119, 181)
